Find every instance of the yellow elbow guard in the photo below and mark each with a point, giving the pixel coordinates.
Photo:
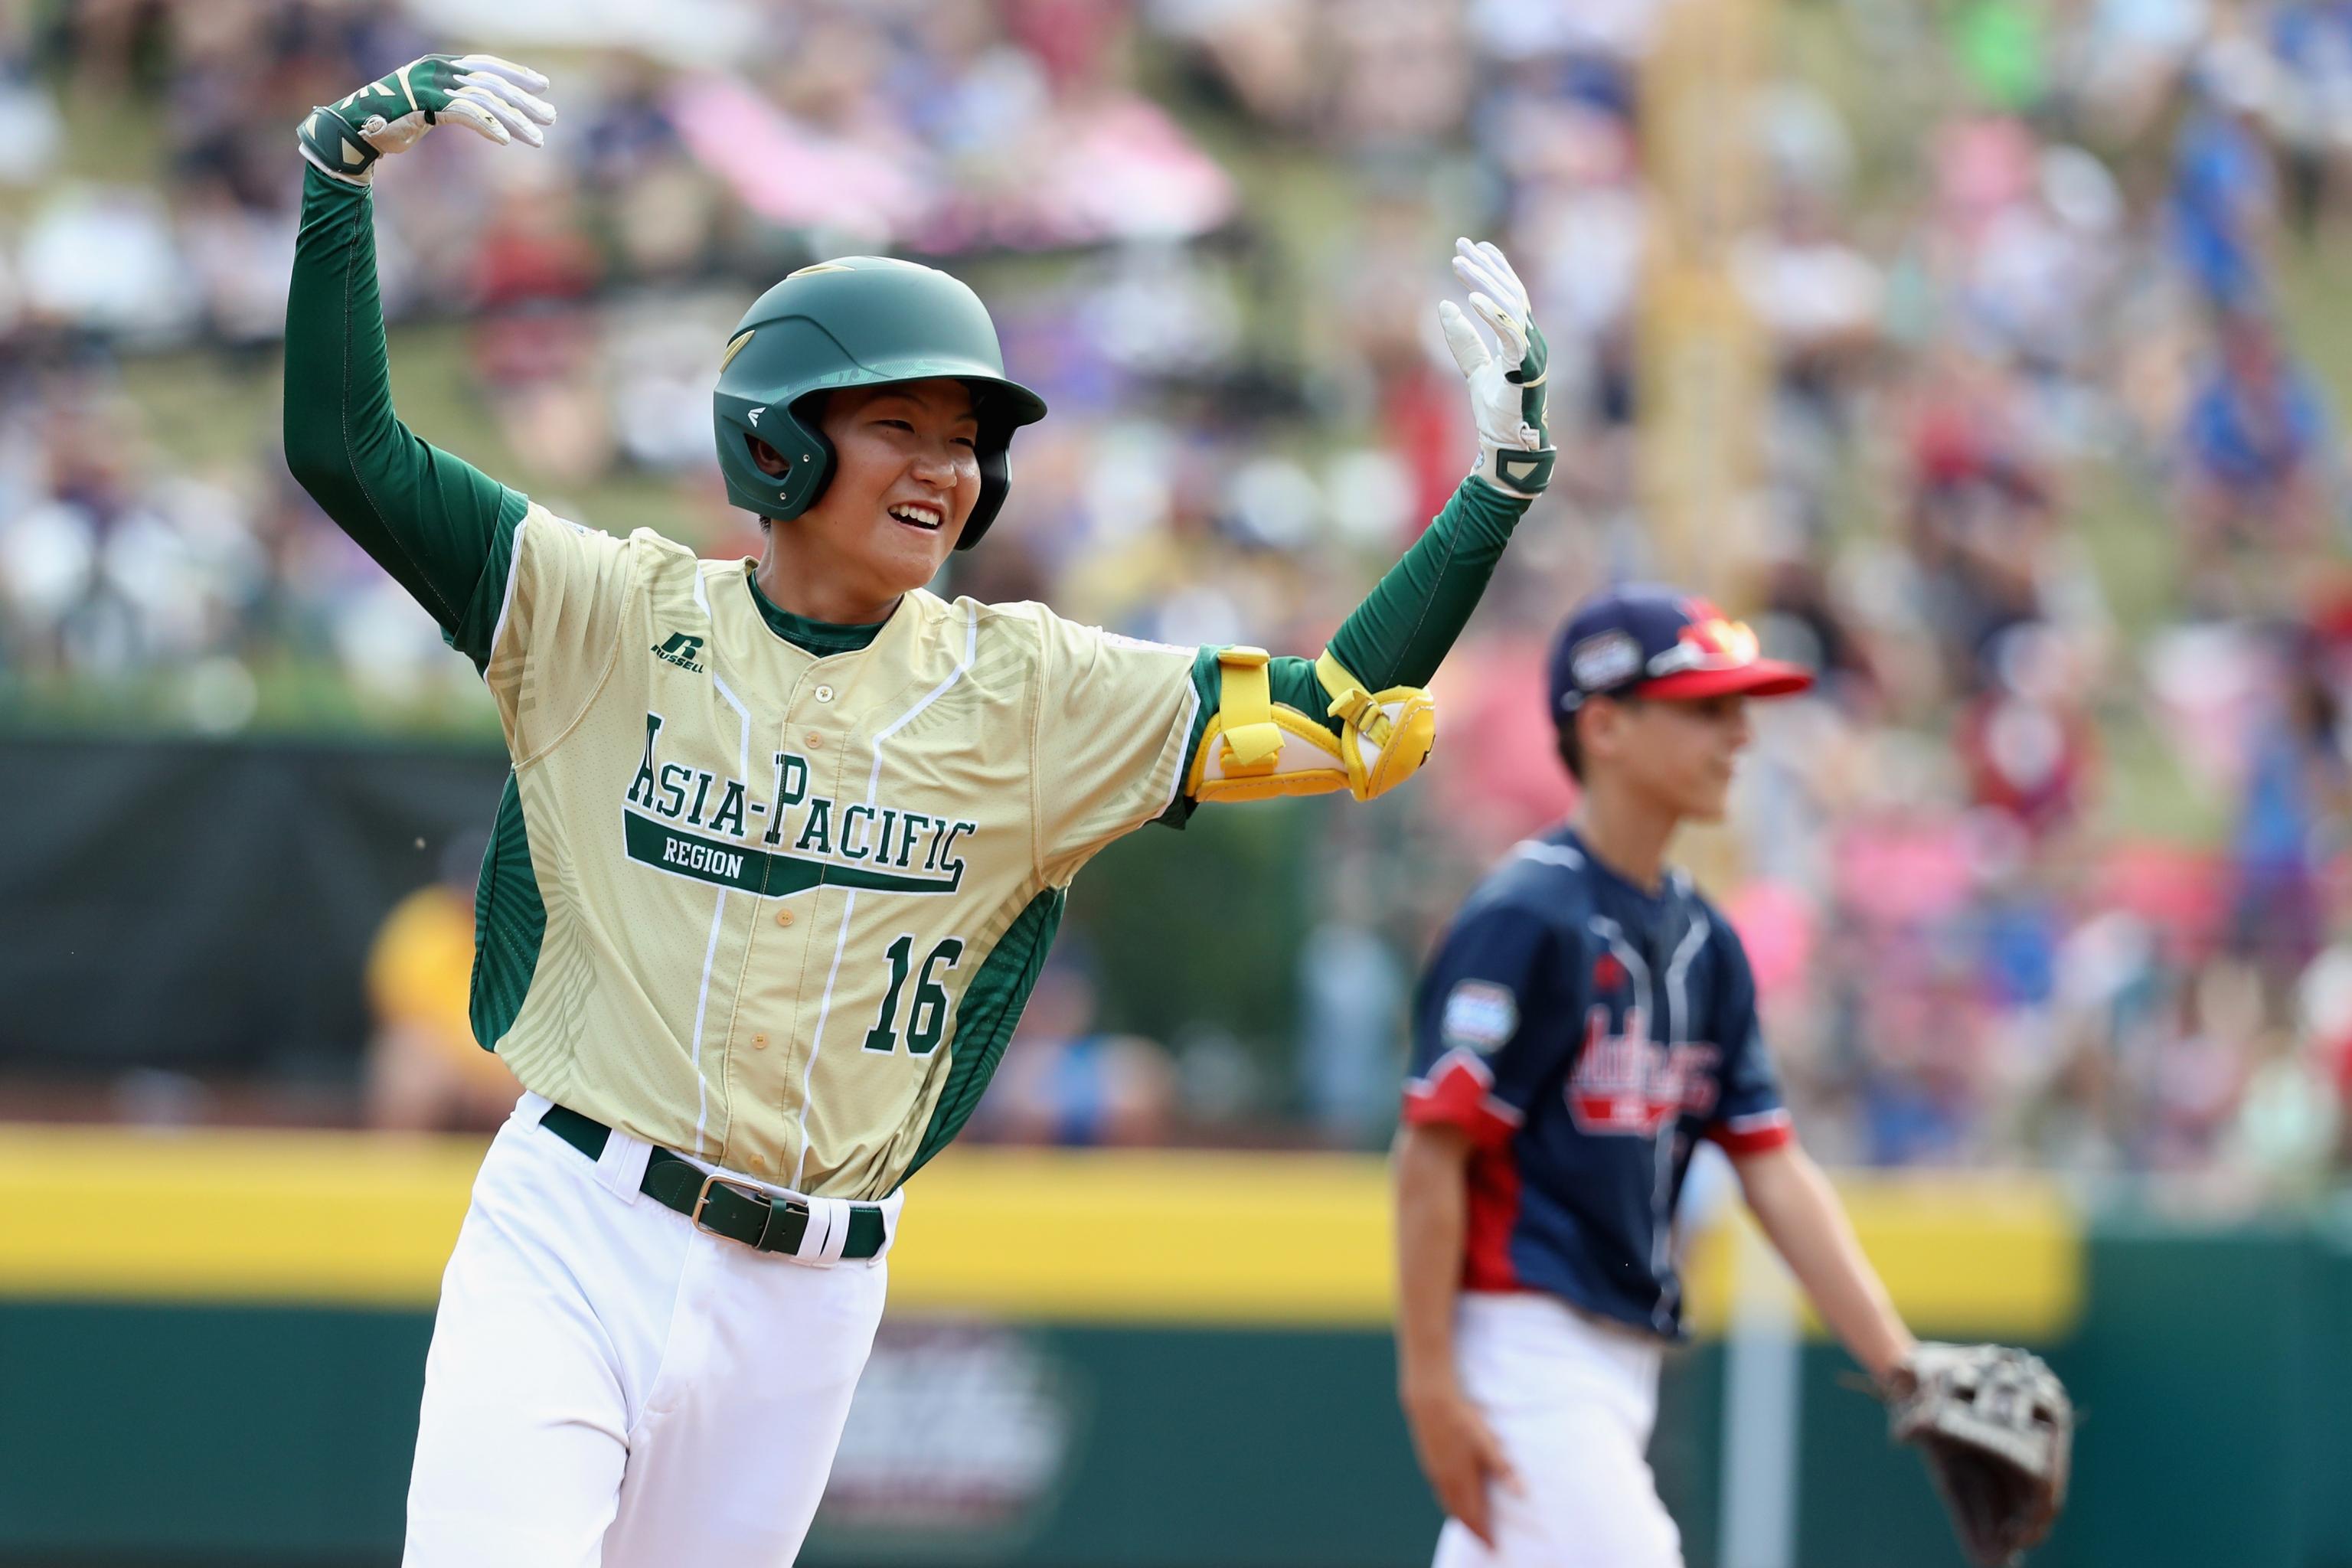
(1384, 736)
(1254, 750)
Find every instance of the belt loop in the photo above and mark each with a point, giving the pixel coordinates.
(890, 1207)
(531, 1106)
(828, 1230)
(621, 1169)
(820, 1221)
(836, 1232)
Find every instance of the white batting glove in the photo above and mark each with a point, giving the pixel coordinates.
(495, 98)
(1506, 389)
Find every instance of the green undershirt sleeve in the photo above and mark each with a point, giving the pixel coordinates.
(1409, 620)
(1400, 631)
(441, 527)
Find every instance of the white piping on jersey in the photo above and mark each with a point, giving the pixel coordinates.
(1549, 853)
(816, 1043)
(743, 757)
(1183, 764)
(701, 1007)
(849, 903)
(971, 649)
(1661, 1201)
(701, 600)
(1662, 1158)
(1501, 1110)
(1610, 932)
(506, 605)
(1678, 972)
(710, 956)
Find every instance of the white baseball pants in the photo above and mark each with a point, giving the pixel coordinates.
(609, 1387)
(1573, 1401)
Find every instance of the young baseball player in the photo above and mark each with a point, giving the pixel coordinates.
(782, 849)
(1586, 1021)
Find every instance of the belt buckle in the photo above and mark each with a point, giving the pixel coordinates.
(739, 1188)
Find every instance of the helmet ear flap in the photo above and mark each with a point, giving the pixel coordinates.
(816, 447)
(807, 455)
(996, 479)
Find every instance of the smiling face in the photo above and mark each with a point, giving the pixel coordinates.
(906, 476)
(1678, 755)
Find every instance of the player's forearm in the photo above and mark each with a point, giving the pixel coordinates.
(1407, 623)
(1433, 1206)
(1808, 1227)
(433, 521)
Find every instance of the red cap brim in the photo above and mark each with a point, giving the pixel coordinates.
(1765, 678)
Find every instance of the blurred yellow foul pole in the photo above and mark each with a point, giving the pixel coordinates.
(1701, 397)
(1700, 352)
(1701, 355)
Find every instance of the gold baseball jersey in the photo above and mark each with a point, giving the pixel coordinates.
(792, 904)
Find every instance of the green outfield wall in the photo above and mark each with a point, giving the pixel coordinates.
(1135, 1398)
(250, 850)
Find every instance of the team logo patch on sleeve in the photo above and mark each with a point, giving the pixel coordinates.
(1480, 1016)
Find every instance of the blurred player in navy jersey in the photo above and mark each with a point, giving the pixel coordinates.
(1588, 1018)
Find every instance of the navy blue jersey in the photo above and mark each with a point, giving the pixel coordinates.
(1586, 1034)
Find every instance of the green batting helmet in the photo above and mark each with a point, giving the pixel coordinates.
(860, 321)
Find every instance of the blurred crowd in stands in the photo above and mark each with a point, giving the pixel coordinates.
(2051, 870)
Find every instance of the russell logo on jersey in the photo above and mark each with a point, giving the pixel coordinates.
(680, 650)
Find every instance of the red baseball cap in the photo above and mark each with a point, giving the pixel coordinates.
(1653, 642)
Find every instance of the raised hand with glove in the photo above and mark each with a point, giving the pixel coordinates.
(1507, 383)
(1997, 1432)
(493, 97)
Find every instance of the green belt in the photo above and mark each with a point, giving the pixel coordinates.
(721, 1204)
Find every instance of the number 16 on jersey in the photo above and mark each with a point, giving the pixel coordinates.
(927, 1021)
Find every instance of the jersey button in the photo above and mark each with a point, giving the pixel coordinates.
(758, 1162)
(824, 694)
(815, 741)
(784, 917)
(759, 1042)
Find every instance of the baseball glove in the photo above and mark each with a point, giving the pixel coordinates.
(1997, 1432)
